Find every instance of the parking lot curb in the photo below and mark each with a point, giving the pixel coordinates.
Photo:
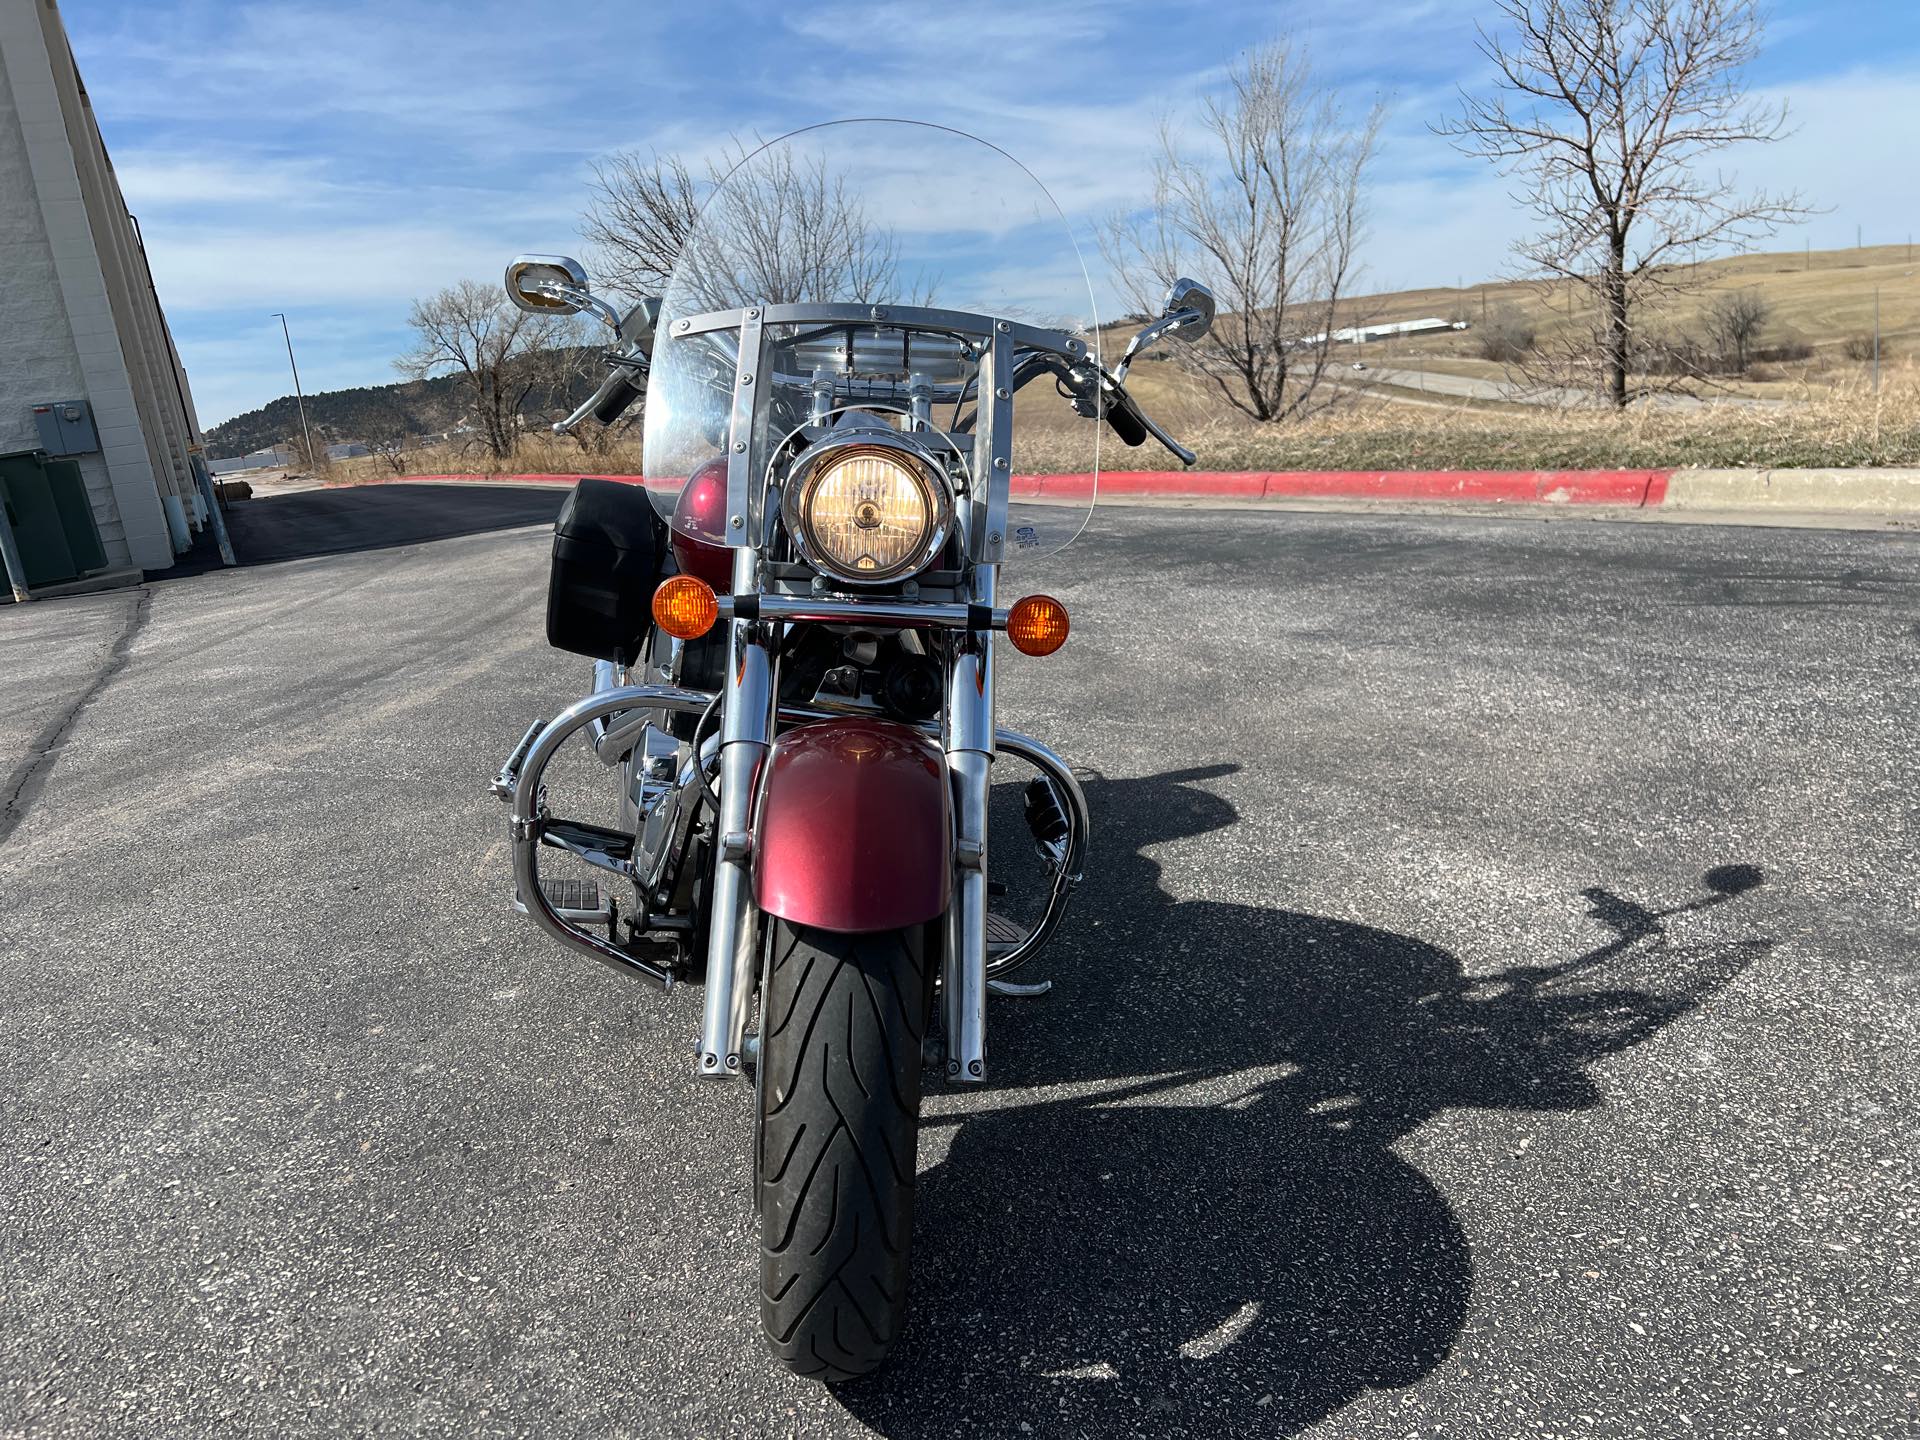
(1535, 487)
(1538, 487)
(1888, 491)
(1811, 491)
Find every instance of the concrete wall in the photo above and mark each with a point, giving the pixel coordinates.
(38, 358)
(77, 314)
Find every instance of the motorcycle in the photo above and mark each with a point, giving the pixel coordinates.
(793, 623)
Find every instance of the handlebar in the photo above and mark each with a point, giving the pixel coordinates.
(1094, 392)
(615, 394)
(1125, 421)
(1132, 424)
(619, 390)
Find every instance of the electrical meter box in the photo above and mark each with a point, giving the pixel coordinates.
(66, 427)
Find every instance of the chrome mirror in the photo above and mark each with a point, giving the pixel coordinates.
(1191, 304)
(1186, 314)
(548, 284)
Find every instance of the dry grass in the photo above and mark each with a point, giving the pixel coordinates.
(1827, 414)
(539, 453)
(1837, 422)
(1823, 299)
(1849, 427)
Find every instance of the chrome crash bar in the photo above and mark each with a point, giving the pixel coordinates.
(519, 783)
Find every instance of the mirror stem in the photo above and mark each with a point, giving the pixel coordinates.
(1165, 325)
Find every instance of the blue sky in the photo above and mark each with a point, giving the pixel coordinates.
(334, 158)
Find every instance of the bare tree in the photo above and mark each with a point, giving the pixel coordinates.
(309, 451)
(388, 425)
(785, 228)
(500, 355)
(1267, 211)
(1736, 321)
(1604, 110)
(643, 209)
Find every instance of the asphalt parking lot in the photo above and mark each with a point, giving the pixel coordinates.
(1491, 1010)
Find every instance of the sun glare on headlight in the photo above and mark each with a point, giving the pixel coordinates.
(868, 514)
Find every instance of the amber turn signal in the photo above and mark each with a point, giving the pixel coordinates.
(684, 606)
(1037, 625)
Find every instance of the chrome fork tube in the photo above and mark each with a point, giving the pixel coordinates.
(745, 730)
(969, 747)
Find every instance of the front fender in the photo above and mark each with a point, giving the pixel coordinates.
(853, 828)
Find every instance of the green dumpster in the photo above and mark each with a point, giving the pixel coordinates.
(76, 514)
(35, 516)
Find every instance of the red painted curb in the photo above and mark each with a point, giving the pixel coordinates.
(1551, 487)
(1637, 488)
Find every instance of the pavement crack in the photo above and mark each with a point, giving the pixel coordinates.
(23, 786)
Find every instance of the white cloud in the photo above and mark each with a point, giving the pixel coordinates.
(155, 180)
(220, 267)
(347, 157)
(1852, 151)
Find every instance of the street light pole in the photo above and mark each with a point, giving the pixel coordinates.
(306, 436)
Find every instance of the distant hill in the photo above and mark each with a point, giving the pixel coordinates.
(336, 415)
(1822, 298)
(368, 413)
(1825, 300)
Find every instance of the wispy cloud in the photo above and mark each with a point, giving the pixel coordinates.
(336, 158)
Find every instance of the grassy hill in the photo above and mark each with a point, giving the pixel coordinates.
(1821, 299)
(1824, 412)
(1821, 304)
(337, 415)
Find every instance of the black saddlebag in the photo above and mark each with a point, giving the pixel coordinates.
(609, 552)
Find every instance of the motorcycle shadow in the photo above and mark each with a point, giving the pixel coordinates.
(1194, 1220)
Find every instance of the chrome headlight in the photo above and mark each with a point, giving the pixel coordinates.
(868, 509)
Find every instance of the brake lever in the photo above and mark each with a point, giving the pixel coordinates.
(1096, 394)
(1174, 447)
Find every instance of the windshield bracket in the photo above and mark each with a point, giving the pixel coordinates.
(993, 416)
(750, 362)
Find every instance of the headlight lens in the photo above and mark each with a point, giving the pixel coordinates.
(869, 513)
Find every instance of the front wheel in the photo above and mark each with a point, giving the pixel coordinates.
(843, 1020)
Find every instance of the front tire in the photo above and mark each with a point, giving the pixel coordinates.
(843, 1021)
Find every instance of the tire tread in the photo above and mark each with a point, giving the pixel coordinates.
(839, 1111)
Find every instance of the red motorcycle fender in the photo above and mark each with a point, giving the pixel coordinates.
(853, 828)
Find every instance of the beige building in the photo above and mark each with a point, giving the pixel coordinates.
(86, 360)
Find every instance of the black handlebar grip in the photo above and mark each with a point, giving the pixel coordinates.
(615, 396)
(1126, 424)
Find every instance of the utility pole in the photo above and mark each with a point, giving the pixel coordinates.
(306, 437)
(1876, 339)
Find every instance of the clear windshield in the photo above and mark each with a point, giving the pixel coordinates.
(892, 217)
